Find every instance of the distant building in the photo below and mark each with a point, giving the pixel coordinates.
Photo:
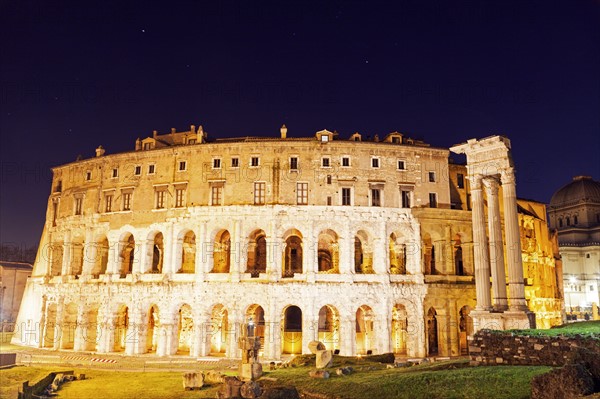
(13, 278)
(366, 245)
(574, 211)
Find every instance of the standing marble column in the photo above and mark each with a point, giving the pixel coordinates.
(496, 247)
(482, 266)
(516, 288)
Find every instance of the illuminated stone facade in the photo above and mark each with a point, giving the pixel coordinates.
(364, 245)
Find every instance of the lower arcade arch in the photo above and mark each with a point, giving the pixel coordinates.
(152, 329)
(121, 327)
(432, 333)
(399, 329)
(217, 331)
(329, 327)
(465, 325)
(185, 330)
(291, 335)
(365, 332)
(255, 323)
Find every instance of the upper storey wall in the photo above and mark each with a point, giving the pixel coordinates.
(327, 168)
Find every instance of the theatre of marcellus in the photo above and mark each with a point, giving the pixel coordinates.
(368, 245)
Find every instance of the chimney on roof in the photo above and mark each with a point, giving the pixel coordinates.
(283, 131)
(201, 134)
(376, 138)
(138, 144)
(100, 151)
(192, 129)
(173, 130)
(154, 134)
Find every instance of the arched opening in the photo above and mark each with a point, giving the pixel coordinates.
(458, 257)
(432, 333)
(68, 326)
(328, 252)
(121, 326)
(77, 256)
(399, 329)
(363, 256)
(157, 253)
(465, 329)
(90, 330)
(292, 330)
(255, 318)
(365, 333)
(188, 253)
(185, 330)
(293, 253)
(222, 252)
(127, 255)
(101, 257)
(329, 327)
(218, 331)
(397, 254)
(257, 253)
(152, 330)
(57, 251)
(428, 255)
(51, 329)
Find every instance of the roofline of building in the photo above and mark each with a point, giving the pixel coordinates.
(242, 140)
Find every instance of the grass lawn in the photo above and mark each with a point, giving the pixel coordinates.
(12, 379)
(590, 329)
(450, 379)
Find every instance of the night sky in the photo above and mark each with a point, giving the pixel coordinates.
(74, 76)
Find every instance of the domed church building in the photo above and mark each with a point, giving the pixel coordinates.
(574, 212)
(368, 245)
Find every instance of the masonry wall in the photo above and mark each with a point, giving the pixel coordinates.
(495, 347)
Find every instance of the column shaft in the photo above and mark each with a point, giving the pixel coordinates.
(496, 247)
(516, 288)
(482, 266)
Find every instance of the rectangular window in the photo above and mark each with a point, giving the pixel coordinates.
(375, 197)
(302, 193)
(460, 180)
(115, 172)
(235, 162)
(254, 161)
(217, 195)
(108, 200)
(405, 198)
(127, 201)
(329, 201)
(217, 163)
(160, 199)
(432, 177)
(259, 193)
(346, 162)
(78, 205)
(325, 162)
(179, 197)
(182, 166)
(151, 169)
(401, 165)
(147, 146)
(88, 175)
(293, 163)
(328, 179)
(346, 196)
(432, 200)
(375, 162)
(137, 170)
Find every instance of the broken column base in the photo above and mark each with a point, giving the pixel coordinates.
(250, 371)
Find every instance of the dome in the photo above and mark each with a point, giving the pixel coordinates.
(581, 189)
